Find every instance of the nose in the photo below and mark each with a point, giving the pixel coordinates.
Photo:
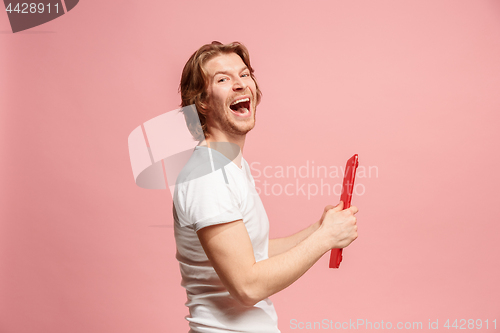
(239, 84)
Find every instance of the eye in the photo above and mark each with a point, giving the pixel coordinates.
(222, 79)
(245, 75)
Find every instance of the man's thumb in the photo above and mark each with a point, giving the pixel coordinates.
(339, 207)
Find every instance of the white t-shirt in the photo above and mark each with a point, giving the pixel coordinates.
(211, 190)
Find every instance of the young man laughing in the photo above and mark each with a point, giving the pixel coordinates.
(229, 266)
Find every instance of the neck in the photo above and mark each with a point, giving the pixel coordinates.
(234, 150)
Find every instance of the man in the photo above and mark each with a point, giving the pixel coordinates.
(229, 266)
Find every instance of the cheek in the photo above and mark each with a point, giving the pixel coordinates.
(219, 96)
(213, 99)
(253, 87)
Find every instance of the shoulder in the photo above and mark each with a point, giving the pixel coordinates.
(204, 161)
(206, 186)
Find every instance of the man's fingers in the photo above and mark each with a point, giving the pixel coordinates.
(353, 209)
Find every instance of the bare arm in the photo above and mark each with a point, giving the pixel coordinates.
(230, 251)
(280, 245)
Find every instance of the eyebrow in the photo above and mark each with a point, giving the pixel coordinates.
(227, 72)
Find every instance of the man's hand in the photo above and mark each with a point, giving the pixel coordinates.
(327, 208)
(339, 225)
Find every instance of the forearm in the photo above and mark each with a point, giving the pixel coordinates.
(281, 245)
(272, 275)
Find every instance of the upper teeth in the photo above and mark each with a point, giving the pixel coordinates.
(241, 100)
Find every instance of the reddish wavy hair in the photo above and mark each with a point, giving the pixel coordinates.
(194, 81)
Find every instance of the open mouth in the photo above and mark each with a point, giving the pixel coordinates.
(241, 106)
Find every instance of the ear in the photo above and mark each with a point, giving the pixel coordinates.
(201, 101)
(204, 108)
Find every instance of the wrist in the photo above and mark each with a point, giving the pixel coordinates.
(320, 238)
(315, 226)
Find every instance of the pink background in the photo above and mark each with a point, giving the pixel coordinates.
(410, 86)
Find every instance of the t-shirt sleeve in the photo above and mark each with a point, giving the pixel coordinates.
(207, 200)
